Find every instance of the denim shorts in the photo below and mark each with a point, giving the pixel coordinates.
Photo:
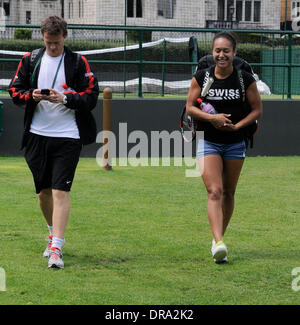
(226, 151)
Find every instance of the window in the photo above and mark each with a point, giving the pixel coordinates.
(239, 11)
(129, 8)
(6, 7)
(248, 5)
(169, 9)
(221, 6)
(243, 10)
(295, 9)
(135, 8)
(256, 11)
(230, 10)
(80, 8)
(70, 8)
(139, 9)
(295, 4)
(28, 17)
(165, 8)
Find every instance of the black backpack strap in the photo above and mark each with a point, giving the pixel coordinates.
(33, 56)
(251, 129)
(209, 73)
(240, 75)
(78, 57)
(211, 70)
(35, 60)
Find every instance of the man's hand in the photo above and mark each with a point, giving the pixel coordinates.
(37, 96)
(55, 96)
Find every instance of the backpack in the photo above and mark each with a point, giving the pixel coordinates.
(35, 60)
(207, 63)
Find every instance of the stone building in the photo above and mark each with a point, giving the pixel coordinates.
(237, 14)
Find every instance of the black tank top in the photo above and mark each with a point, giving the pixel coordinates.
(226, 97)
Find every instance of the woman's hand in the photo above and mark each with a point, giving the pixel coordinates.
(220, 121)
(230, 128)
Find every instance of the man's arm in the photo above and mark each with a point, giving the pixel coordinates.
(86, 95)
(19, 88)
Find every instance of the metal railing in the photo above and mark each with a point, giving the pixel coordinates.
(141, 62)
(222, 24)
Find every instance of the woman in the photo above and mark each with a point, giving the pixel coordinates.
(224, 147)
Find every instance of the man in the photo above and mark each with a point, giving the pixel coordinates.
(59, 91)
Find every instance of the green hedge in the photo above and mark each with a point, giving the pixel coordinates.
(174, 52)
(29, 45)
(23, 34)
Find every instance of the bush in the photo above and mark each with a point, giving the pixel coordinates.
(134, 36)
(253, 38)
(174, 52)
(22, 33)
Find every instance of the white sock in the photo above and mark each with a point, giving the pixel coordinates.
(58, 242)
(50, 229)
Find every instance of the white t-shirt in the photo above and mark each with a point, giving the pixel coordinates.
(53, 119)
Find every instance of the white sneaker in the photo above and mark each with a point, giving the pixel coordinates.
(48, 247)
(55, 259)
(219, 251)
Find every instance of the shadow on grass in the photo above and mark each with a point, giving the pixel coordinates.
(234, 258)
(255, 255)
(93, 261)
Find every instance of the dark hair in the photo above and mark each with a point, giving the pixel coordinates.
(54, 25)
(227, 35)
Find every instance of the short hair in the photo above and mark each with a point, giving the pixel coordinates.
(229, 36)
(54, 25)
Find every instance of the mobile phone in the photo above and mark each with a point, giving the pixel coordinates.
(45, 92)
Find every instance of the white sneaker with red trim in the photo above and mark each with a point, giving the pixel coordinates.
(48, 247)
(55, 259)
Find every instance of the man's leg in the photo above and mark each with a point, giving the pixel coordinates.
(65, 155)
(46, 204)
(61, 211)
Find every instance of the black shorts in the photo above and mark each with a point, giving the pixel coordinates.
(52, 161)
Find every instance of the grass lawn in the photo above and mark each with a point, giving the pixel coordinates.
(140, 236)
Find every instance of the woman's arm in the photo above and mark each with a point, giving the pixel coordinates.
(217, 120)
(256, 106)
(256, 109)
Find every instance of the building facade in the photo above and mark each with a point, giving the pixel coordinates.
(290, 11)
(29, 11)
(241, 14)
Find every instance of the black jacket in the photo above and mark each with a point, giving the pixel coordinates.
(82, 98)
